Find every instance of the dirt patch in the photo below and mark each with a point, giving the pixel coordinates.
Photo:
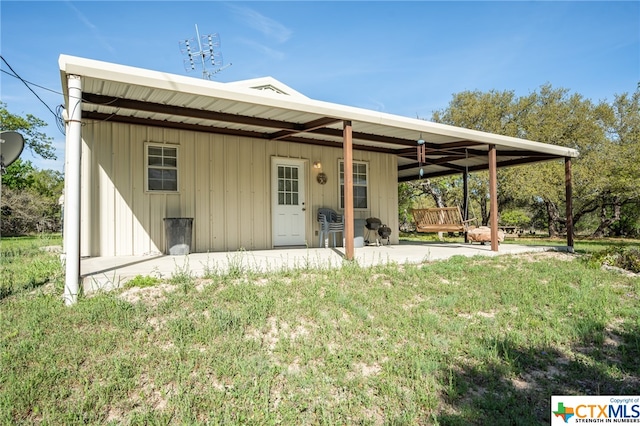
(52, 249)
(364, 370)
(531, 379)
(152, 395)
(374, 415)
(552, 254)
(203, 283)
(157, 323)
(148, 295)
(417, 300)
(275, 330)
(490, 314)
(620, 271)
(294, 367)
(261, 282)
(48, 288)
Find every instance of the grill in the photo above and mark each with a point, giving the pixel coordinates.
(380, 231)
(385, 232)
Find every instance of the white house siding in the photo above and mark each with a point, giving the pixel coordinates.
(224, 184)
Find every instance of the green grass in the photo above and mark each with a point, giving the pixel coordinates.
(464, 341)
(25, 265)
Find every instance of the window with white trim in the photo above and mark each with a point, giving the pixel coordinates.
(360, 185)
(162, 168)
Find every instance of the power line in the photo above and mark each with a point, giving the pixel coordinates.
(32, 83)
(59, 109)
(55, 91)
(15, 74)
(59, 119)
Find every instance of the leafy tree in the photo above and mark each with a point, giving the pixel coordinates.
(29, 195)
(29, 126)
(25, 212)
(515, 217)
(495, 112)
(19, 175)
(605, 174)
(609, 173)
(30, 199)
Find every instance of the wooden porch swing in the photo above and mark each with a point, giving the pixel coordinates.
(440, 219)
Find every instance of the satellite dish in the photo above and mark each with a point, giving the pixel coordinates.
(11, 146)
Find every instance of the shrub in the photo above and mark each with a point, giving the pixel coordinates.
(627, 258)
(515, 218)
(142, 281)
(25, 212)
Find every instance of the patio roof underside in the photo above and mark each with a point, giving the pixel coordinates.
(449, 150)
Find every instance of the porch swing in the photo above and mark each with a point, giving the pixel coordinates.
(442, 219)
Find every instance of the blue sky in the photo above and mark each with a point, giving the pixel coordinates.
(405, 58)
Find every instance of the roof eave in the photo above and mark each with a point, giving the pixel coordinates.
(199, 87)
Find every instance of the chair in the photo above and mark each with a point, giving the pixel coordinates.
(330, 223)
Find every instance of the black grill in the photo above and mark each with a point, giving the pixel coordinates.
(373, 224)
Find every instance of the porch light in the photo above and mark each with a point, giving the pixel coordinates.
(317, 165)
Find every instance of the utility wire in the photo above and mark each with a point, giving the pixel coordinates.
(55, 91)
(58, 114)
(15, 74)
(32, 83)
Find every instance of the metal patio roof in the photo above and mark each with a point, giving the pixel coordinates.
(267, 109)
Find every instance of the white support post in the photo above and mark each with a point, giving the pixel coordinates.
(72, 191)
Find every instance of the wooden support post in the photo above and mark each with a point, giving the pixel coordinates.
(569, 201)
(493, 196)
(348, 190)
(465, 200)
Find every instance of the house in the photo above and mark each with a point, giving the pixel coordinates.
(250, 161)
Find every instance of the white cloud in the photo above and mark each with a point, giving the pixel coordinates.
(94, 29)
(272, 53)
(267, 26)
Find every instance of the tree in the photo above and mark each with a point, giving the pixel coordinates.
(621, 153)
(18, 175)
(29, 196)
(30, 199)
(25, 212)
(605, 173)
(495, 112)
(29, 126)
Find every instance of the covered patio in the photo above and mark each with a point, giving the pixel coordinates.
(260, 112)
(107, 273)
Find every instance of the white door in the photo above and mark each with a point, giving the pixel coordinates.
(288, 201)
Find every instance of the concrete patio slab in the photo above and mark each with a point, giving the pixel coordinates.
(106, 273)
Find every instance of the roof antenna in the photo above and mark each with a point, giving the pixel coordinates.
(209, 55)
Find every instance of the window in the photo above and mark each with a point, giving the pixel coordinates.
(360, 182)
(288, 185)
(162, 168)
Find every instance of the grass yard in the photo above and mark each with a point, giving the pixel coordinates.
(28, 263)
(463, 341)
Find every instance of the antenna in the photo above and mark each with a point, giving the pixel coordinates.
(203, 52)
